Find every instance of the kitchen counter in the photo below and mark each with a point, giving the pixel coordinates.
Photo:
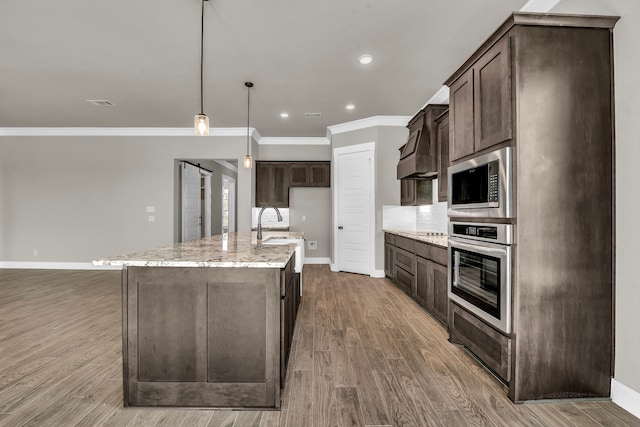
(214, 336)
(238, 249)
(436, 239)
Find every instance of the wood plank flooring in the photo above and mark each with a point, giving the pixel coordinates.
(364, 354)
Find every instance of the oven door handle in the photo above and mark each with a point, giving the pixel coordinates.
(479, 248)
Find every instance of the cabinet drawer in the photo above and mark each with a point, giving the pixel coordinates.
(405, 260)
(390, 238)
(439, 255)
(405, 243)
(493, 348)
(421, 249)
(404, 281)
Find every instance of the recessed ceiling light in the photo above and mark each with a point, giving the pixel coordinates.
(284, 115)
(365, 59)
(100, 102)
(350, 106)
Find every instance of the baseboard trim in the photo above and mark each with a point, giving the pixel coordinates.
(378, 274)
(625, 397)
(26, 265)
(316, 260)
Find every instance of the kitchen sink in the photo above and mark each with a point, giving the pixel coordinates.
(290, 241)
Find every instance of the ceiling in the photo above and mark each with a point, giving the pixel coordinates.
(301, 55)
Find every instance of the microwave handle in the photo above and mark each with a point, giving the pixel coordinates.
(477, 248)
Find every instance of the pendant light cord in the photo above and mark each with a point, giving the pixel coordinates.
(249, 85)
(201, 59)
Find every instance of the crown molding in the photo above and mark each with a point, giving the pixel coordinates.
(112, 131)
(294, 141)
(541, 6)
(368, 122)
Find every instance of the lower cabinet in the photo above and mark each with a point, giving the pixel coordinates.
(417, 269)
(288, 312)
(493, 348)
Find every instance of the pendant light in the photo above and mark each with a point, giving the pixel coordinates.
(201, 121)
(248, 161)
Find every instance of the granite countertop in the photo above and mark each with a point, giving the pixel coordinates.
(436, 239)
(239, 249)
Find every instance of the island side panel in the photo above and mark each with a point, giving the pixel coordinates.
(203, 337)
(125, 346)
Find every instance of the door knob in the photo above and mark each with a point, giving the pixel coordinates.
(340, 227)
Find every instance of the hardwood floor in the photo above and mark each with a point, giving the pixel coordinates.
(363, 354)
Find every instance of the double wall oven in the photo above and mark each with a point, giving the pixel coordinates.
(480, 190)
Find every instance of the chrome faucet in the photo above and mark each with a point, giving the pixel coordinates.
(259, 236)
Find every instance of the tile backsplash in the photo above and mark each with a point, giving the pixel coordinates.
(270, 218)
(420, 218)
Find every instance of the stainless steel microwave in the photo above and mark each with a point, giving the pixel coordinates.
(482, 187)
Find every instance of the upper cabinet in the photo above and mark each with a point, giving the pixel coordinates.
(273, 180)
(310, 174)
(443, 154)
(480, 99)
(272, 184)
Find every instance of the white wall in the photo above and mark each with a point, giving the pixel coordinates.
(627, 112)
(74, 199)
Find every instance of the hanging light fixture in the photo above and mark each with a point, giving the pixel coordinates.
(201, 121)
(248, 161)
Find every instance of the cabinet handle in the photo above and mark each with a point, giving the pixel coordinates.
(340, 227)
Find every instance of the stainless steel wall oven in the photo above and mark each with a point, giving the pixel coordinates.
(480, 270)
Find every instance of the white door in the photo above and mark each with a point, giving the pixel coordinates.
(228, 204)
(354, 199)
(205, 177)
(191, 203)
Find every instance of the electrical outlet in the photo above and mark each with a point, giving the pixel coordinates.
(312, 245)
(151, 218)
(304, 217)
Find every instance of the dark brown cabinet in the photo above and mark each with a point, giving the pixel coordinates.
(461, 119)
(310, 174)
(481, 103)
(416, 192)
(272, 184)
(273, 180)
(420, 270)
(431, 280)
(543, 85)
(443, 155)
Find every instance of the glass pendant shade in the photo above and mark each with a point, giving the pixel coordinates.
(248, 162)
(201, 124)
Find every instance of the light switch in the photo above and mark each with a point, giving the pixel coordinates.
(304, 217)
(151, 209)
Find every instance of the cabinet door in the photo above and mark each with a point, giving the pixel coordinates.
(389, 261)
(320, 174)
(272, 184)
(461, 142)
(439, 299)
(443, 158)
(492, 96)
(424, 287)
(298, 174)
(407, 192)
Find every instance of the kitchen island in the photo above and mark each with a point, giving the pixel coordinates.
(208, 323)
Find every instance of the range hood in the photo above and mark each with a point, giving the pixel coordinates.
(419, 156)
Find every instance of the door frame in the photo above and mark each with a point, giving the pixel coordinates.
(365, 147)
(232, 200)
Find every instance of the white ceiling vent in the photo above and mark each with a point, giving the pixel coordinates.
(100, 102)
(312, 115)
